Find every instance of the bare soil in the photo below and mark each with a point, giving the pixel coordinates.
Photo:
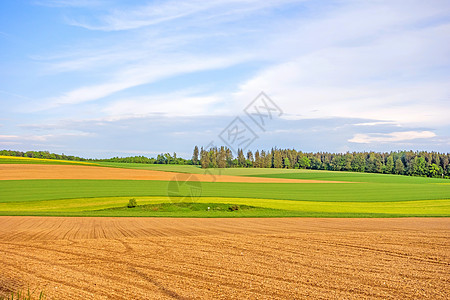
(164, 258)
(35, 171)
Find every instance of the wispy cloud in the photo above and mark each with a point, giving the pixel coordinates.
(8, 137)
(144, 16)
(175, 104)
(382, 66)
(43, 138)
(15, 95)
(161, 12)
(376, 123)
(391, 137)
(388, 68)
(155, 54)
(139, 75)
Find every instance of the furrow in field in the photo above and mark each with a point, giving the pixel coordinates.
(95, 258)
(158, 271)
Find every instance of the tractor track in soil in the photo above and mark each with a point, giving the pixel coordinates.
(169, 258)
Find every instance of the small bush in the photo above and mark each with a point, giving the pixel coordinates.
(234, 208)
(132, 203)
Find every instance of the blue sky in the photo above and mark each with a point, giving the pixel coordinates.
(101, 78)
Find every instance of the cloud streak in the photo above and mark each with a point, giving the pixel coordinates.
(161, 12)
(383, 65)
(139, 75)
(43, 138)
(399, 136)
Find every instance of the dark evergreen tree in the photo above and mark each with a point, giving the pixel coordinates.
(204, 159)
(277, 159)
(195, 156)
(222, 158)
(241, 158)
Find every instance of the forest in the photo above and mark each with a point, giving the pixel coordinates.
(413, 163)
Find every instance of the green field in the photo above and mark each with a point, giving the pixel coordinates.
(282, 173)
(197, 207)
(197, 170)
(362, 195)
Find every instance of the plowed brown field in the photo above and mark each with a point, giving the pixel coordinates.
(31, 171)
(159, 258)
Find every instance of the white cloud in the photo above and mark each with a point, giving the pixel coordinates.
(171, 104)
(376, 123)
(160, 12)
(45, 137)
(138, 75)
(326, 66)
(154, 54)
(2, 137)
(390, 70)
(144, 16)
(361, 138)
(384, 62)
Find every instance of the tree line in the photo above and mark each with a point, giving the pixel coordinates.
(163, 158)
(413, 163)
(41, 154)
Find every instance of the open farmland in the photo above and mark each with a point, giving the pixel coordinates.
(212, 252)
(85, 190)
(169, 149)
(99, 258)
(38, 171)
